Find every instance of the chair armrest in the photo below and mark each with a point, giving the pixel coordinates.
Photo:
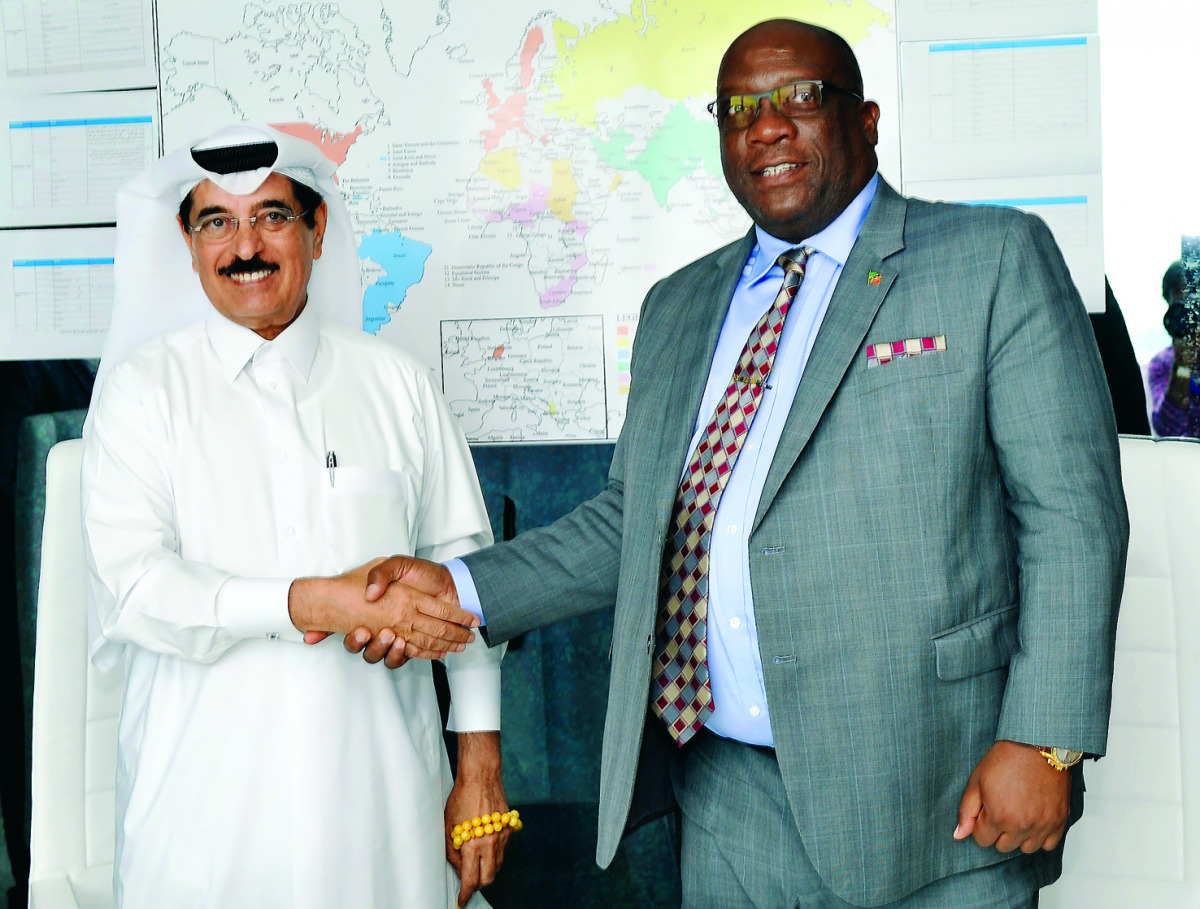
(52, 893)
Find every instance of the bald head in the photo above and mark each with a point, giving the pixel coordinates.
(843, 64)
(794, 174)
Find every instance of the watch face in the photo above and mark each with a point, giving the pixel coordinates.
(1067, 757)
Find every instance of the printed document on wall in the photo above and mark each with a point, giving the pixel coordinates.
(1070, 206)
(76, 45)
(1012, 107)
(63, 157)
(56, 292)
(936, 20)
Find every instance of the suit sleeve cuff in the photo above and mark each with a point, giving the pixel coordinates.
(468, 596)
(257, 608)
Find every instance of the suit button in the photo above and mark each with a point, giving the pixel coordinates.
(649, 643)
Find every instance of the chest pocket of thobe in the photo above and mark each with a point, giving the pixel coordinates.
(368, 512)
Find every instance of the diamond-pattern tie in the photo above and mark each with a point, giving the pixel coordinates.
(680, 693)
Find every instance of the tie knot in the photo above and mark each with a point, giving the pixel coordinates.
(795, 259)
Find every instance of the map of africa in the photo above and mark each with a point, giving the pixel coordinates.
(519, 176)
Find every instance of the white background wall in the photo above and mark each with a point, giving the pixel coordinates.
(1150, 84)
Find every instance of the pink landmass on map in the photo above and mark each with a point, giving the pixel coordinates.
(524, 212)
(510, 114)
(335, 146)
(560, 291)
(533, 42)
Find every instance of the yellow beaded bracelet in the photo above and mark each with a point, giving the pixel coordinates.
(485, 825)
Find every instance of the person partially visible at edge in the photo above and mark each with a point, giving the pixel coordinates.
(1174, 395)
(864, 567)
(247, 449)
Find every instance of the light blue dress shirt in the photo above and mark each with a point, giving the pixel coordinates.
(734, 665)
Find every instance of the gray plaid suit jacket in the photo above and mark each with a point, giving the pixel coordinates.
(938, 554)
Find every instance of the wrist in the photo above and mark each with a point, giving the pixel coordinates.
(302, 608)
(479, 756)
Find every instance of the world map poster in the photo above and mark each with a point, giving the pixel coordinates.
(519, 175)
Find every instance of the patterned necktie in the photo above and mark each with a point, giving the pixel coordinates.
(680, 693)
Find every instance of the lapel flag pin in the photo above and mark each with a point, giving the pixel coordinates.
(874, 277)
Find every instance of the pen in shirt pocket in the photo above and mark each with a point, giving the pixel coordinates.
(331, 463)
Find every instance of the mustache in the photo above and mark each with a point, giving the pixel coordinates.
(242, 266)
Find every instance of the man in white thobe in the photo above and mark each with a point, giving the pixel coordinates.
(233, 466)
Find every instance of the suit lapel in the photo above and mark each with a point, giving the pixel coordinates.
(701, 306)
(851, 311)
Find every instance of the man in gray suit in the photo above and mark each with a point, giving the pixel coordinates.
(886, 634)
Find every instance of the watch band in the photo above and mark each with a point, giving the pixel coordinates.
(1060, 758)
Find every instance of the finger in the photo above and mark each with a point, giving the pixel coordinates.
(396, 656)
(1032, 844)
(433, 609)
(433, 643)
(487, 862)
(498, 853)
(379, 646)
(357, 640)
(435, 604)
(412, 652)
(986, 833)
(469, 873)
(968, 810)
(437, 619)
(1051, 842)
(1006, 842)
(383, 574)
(315, 637)
(430, 578)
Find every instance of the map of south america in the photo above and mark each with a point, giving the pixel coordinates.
(403, 263)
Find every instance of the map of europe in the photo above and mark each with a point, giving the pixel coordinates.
(503, 164)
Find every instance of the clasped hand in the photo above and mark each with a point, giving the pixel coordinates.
(1015, 800)
(394, 608)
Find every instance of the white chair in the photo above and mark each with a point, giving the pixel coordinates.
(75, 712)
(1138, 843)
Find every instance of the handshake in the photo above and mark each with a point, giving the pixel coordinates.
(388, 609)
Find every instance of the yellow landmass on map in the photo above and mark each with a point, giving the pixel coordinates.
(503, 167)
(563, 190)
(675, 46)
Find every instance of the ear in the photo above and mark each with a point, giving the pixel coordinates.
(869, 112)
(190, 239)
(321, 215)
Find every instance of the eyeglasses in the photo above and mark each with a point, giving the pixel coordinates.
(216, 228)
(795, 100)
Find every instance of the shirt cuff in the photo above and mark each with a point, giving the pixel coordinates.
(468, 596)
(474, 699)
(257, 608)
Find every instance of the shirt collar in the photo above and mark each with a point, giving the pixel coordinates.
(835, 241)
(235, 344)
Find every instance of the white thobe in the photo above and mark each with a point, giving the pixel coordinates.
(253, 770)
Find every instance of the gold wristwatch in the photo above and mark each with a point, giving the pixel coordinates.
(1060, 758)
